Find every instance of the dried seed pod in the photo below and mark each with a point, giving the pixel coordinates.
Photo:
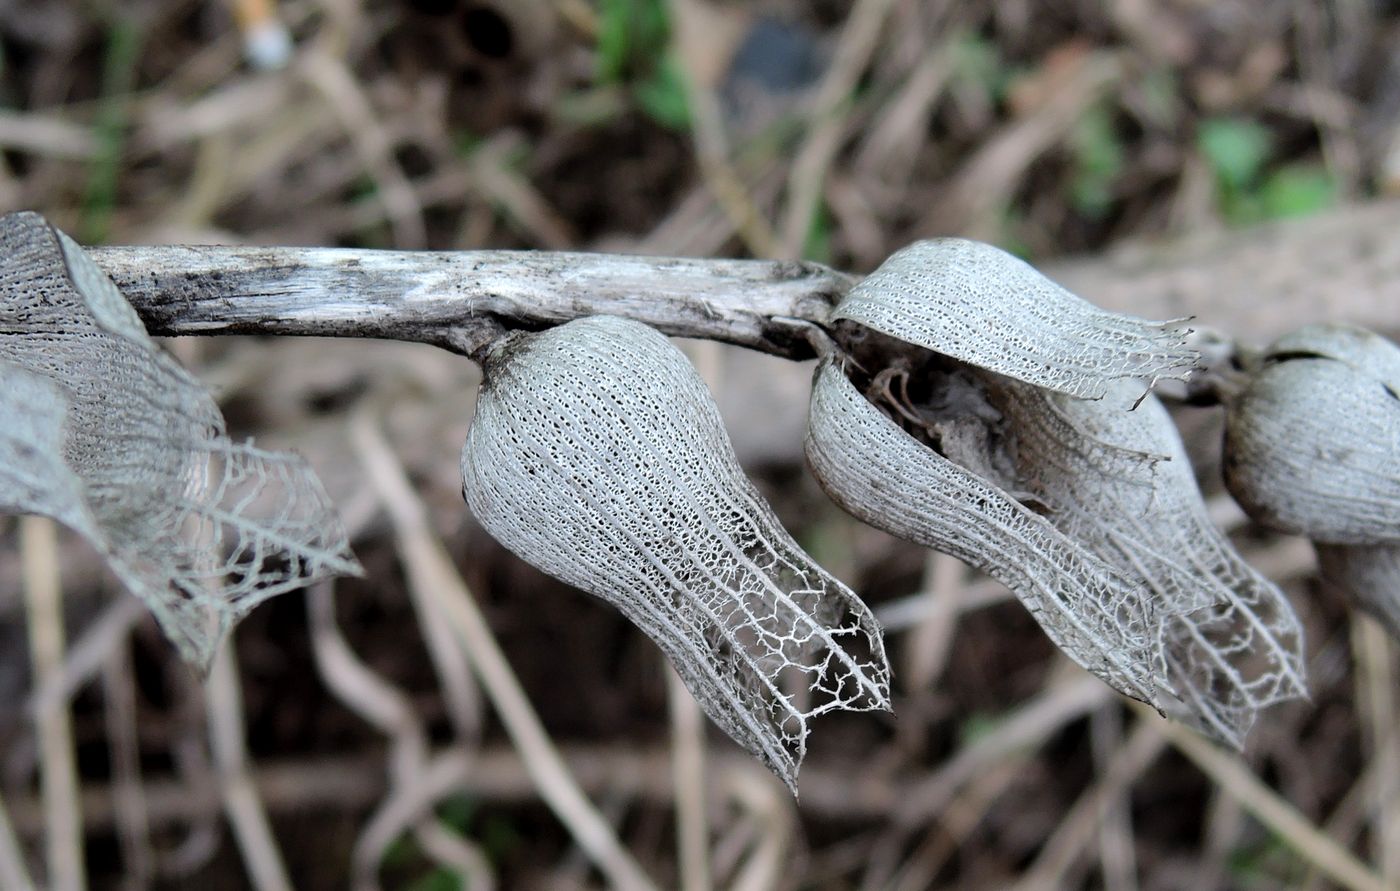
(1369, 575)
(981, 305)
(135, 455)
(597, 455)
(1117, 480)
(33, 475)
(1312, 444)
(879, 473)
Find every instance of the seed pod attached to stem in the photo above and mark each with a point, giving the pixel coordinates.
(881, 474)
(1312, 443)
(106, 433)
(977, 303)
(1115, 477)
(597, 455)
(1312, 447)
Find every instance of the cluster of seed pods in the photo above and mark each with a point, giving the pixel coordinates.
(1011, 425)
(1073, 487)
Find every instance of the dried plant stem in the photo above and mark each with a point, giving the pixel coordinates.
(1269, 808)
(931, 638)
(1377, 712)
(1117, 847)
(416, 780)
(245, 812)
(133, 829)
(13, 873)
(694, 31)
(1027, 725)
(58, 776)
(1080, 825)
(771, 811)
(497, 774)
(459, 299)
(859, 38)
(452, 299)
(688, 767)
(86, 657)
(955, 823)
(430, 568)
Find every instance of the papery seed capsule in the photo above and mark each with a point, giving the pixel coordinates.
(983, 306)
(201, 528)
(598, 455)
(1116, 478)
(880, 474)
(1312, 443)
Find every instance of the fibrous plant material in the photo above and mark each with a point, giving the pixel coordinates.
(977, 303)
(881, 474)
(103, 431)
(598, 455)
(1114, 476)
(1312, 447)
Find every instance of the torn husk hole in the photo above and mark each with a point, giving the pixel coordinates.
(940, 401)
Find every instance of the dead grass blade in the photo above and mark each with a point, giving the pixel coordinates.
(58, 774)
(1304, 838)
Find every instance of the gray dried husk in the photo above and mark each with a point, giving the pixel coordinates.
(1124, 571)
(104, 432)
(1116, 479)
(880, 474)
(598, 455)
(979, 304)
(1312, 447)
(1312, 443)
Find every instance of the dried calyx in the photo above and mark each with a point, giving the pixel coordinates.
(1312, 447)
(103, 431)
(598, 455)
(1116, 478)
(977, 303)
(882, 474)
(1086, 508)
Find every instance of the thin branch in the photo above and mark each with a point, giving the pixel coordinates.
(1330, 267)
(460, 299)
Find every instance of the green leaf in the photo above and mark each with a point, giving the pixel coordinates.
(1297, 190)
(1098, 161)
(662, 95)
(1235, 148)
(632, 37)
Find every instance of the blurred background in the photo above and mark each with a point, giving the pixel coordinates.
(1198, 156)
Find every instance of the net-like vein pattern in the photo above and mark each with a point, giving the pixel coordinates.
(879, 473)
(33, 414)
(979, 304)
(598, 455)
(1117, 480)
(200, 528)
(1312, 443)
(1369, 575)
